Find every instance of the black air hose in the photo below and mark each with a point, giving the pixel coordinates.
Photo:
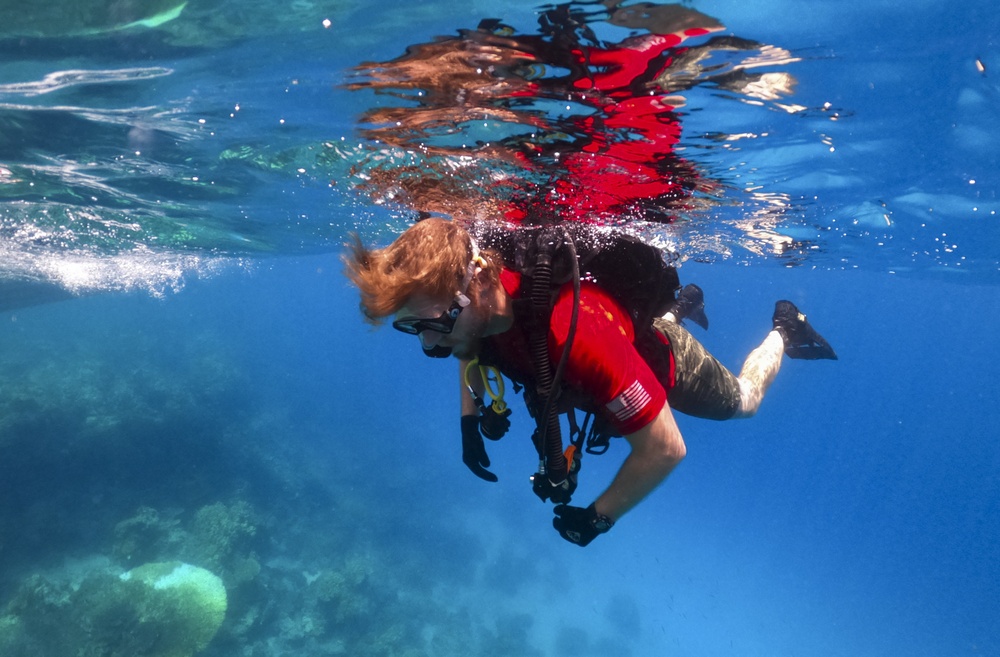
(550, 442)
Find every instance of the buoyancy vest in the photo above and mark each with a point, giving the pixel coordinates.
(547, 258)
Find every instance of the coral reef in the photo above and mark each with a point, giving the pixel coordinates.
(159, 452)
(145, 536)
(155, 610)
(194, 599)
(222, 532)
(113, 432)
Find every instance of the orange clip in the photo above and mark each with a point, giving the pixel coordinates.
(569, 455)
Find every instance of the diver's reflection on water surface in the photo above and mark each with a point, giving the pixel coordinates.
(558, 125)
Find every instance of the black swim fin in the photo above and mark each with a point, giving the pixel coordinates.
(800, 338)
(690, 304)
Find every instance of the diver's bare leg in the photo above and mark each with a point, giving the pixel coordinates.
(758, 372)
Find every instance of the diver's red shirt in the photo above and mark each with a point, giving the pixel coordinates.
(603, 363)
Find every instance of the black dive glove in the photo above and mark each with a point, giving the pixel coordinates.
(492, 424)
(578, 525)
(474, 450)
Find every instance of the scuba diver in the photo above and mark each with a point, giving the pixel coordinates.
(526, 279)
(582, 318)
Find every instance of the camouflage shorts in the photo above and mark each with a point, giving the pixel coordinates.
(704, 387)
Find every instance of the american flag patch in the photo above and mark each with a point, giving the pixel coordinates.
(629, 402)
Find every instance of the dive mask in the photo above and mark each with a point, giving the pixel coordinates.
(444, 323)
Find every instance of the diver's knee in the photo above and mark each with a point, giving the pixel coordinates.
(750, 399)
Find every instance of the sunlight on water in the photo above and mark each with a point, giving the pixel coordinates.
(141, 270)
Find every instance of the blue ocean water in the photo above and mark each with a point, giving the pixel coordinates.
(191, 185)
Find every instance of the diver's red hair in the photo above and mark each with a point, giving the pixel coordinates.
(432, 258)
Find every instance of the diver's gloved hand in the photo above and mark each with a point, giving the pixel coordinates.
(580, 526)
(494, 425)
(474, 450)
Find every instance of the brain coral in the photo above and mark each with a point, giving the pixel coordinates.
(192, 598)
